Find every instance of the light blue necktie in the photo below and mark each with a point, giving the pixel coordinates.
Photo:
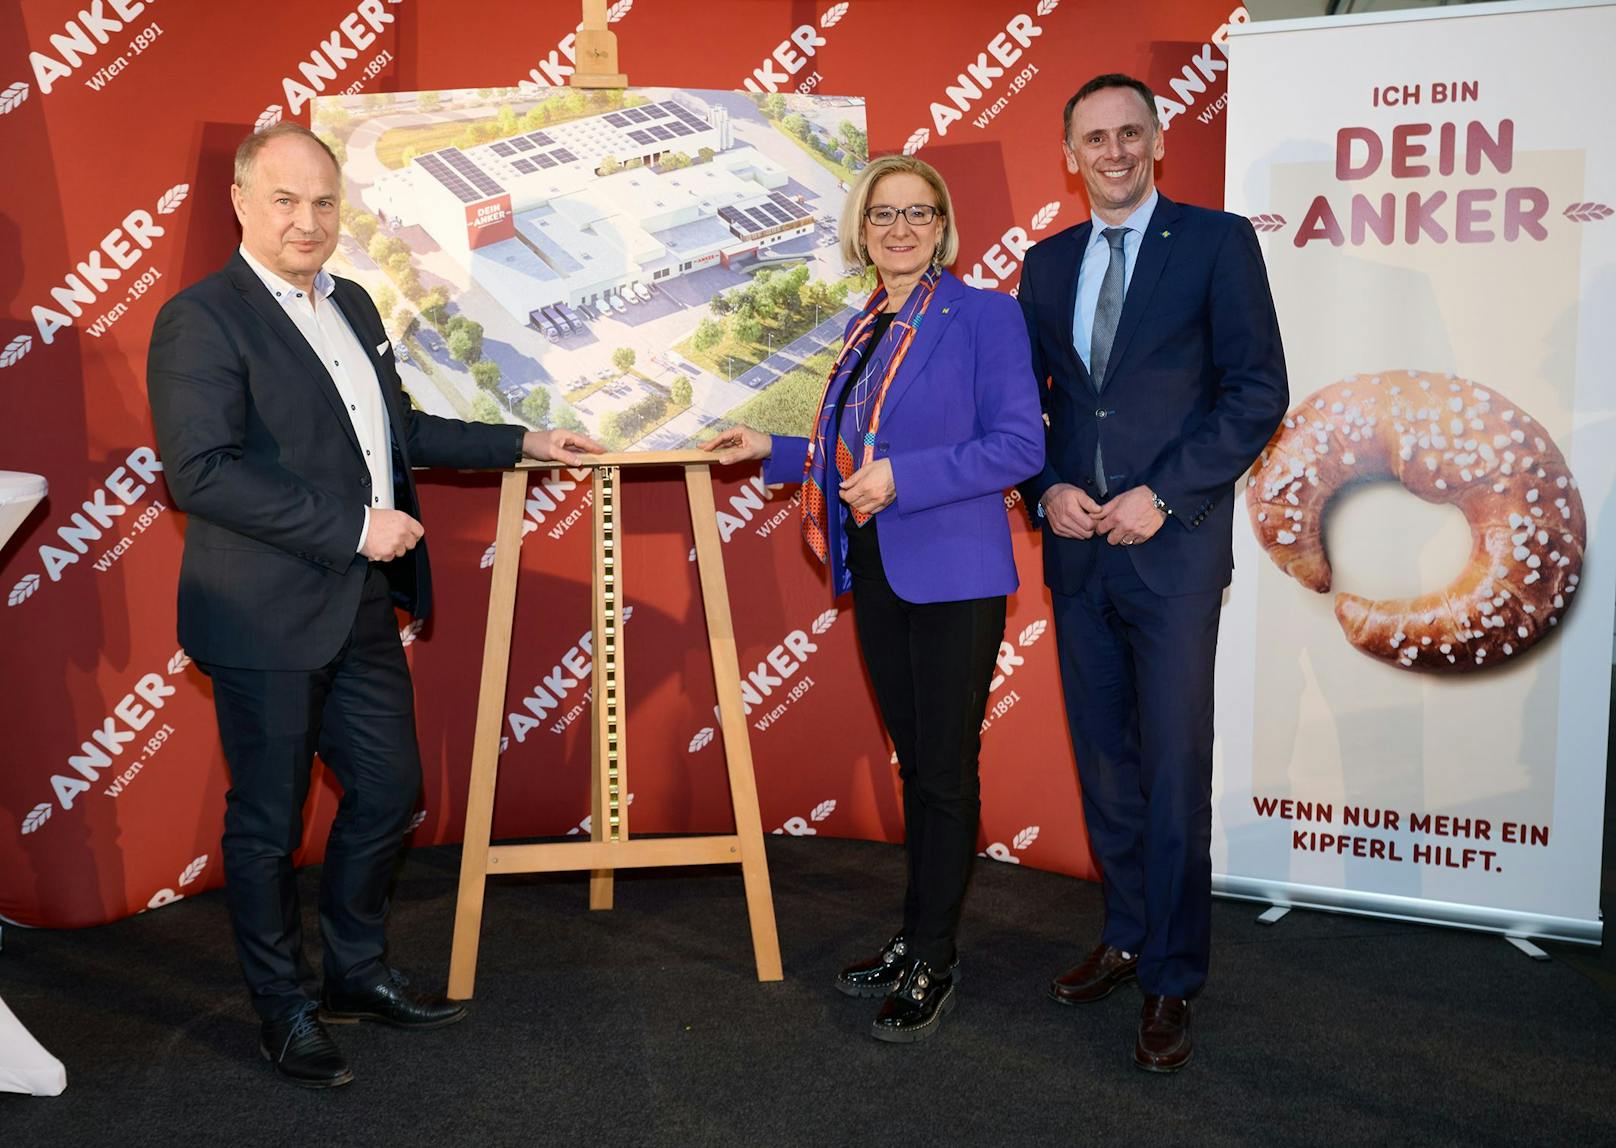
(1106, 313)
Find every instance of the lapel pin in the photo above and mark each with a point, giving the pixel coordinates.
(1165, 234)
(945, 310)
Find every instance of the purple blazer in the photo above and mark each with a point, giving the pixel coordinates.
(961, 424)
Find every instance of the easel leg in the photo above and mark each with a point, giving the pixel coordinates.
(485, 746)
(606, 626)
(732, 721)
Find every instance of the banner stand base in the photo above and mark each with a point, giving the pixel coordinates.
(1528, 948)
(1516, 925)
(1273, 915)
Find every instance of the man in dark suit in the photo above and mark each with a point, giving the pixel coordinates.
(288, 441)
(1155, 329)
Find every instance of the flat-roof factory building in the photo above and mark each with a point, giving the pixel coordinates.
(534, 223)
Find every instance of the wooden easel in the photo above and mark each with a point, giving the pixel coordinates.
(609, 847)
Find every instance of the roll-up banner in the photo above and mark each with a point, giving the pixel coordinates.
(1416, 652)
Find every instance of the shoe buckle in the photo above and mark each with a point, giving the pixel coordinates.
(918, 994)
(923, 981)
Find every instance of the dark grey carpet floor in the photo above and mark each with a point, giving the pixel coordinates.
(645, 1025)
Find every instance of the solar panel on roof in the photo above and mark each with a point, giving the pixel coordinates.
(679, 129)
(500, 147)
(545, 161)
(660, 132)
(640, 137)
(441, 172)
(565, 156)
(541, 139)
(522, 164)
(616, 120)
(634, 116)
(522, 143)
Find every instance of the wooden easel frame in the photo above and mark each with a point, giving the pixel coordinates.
(609, 847)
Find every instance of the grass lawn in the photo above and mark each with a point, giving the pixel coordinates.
(674, 411)
(789, 404)
(423, 138)
(842, 173)
(779, 329)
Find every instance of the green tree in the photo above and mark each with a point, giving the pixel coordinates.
(608, 429)
(536, 407)
(486, 374)
(797, 125)
(485, 410)
(459, 346)
(409, 285)
(721, 304)
(460, 325)
(398, 263)
(374, 101)
(673, 161)
(429, 101)
(681, 392)
(709, 332)
(623, 358)
(567, 419)
(386, 299)
(609, 165)
(408, 156)
(748, 329)
(435, 306)
(774, 105)
(705, 155)
(854, 142)
(362, 226)
(379, 248)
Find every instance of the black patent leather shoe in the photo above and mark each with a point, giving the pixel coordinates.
(303, 1052)
(876, 976)
(914, 1008)
(390, 1002)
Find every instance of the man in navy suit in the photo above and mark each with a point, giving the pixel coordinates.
(288, 442)
(1154, 326)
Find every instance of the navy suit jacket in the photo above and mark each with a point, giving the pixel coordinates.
(1196, 385)
(259, 452)
(960, 425)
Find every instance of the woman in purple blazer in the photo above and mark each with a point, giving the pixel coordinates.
(930, 412)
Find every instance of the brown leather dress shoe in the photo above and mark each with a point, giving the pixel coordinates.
(1096, 978)
(1164, 1043)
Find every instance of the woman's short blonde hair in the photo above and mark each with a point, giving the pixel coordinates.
(851, 231)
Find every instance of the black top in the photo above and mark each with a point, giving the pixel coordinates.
(863, 552)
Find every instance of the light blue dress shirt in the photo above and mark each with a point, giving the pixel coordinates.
(1096, 258)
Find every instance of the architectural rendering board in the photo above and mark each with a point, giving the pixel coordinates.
(641, 263)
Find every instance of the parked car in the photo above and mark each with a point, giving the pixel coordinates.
(642, 291)
(614, 302)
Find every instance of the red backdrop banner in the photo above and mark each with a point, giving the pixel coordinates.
(118, 120)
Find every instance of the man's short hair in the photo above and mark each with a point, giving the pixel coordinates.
(1100, 83)
(247, 153)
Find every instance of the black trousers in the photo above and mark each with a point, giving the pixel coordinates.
(930, 664)
(358, 712)
(1137, 670)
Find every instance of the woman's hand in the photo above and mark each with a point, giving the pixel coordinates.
(869, 488)
(739, 444)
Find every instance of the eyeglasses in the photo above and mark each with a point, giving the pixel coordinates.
(918, 214)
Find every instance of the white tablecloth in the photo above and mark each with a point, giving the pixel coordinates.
(19, 494)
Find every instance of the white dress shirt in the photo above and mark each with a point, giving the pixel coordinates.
(326, 330)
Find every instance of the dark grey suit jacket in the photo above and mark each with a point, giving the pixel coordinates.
(260, 453)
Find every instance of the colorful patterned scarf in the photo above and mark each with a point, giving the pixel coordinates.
(900, 335)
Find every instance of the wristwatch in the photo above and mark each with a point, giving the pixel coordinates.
(1156, 501)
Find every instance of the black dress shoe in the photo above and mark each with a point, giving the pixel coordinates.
(302, 1051)
(914, 1008)
(876, 976)
(1164, 1043)
(1097, 977)
(390, 1002)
